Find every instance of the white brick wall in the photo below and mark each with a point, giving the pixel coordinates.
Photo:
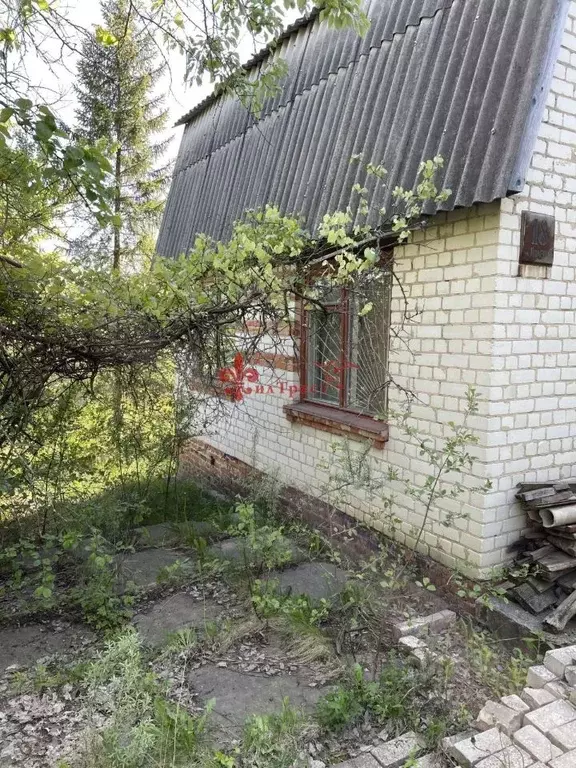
(535, 317)
(513, 337)
(448, 272)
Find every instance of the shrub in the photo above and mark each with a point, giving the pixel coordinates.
(143, 727)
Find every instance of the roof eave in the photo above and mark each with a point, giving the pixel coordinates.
(539, 99)
(220, 89)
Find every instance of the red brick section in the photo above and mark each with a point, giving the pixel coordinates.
(276, 362)
(217, 470)
(224, 473)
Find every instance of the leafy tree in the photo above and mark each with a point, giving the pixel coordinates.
(204, 32)
(29, 201)
(117, 101)
(60, 320)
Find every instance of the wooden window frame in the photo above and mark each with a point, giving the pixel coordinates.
(338, 419)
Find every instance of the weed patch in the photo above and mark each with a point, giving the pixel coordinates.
(143, 727)
(401, 698)
(273, 741)
(266, 546)
(503, 673)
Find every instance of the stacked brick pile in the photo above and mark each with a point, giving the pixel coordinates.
(536, 729)
(394, 754)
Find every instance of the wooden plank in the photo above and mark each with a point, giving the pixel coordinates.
(561, 616)
(538, 584)
(560, 535)
(536, 533)
(556, 561)
(560, 499)
(552, 578)
(537, 555)
(532, 486)
(568, 581)
(564, 544)
(562, 486)
(534, 601)
(537, 493)
(565, 529)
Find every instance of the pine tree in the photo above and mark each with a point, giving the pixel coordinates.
(117, 103)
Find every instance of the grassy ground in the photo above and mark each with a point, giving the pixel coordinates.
(122, 704)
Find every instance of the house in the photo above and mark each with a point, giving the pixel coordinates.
(490, 85)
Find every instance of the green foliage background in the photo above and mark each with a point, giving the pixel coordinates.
(78, 447)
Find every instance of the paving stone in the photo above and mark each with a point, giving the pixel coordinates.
(239, 695)
(471, 750)
(205, 528)
(159, 535)
(362, 761)
(567, 760)
(142, 568)
(564, 736)
(539, 676)
(537, 697)
(449, 741)
(570, 675)
(536, 744)
(551, 716)
(516, 703)
(412, 643)
(173, 613)
(395, 752)
(559, 689)
(430, 761)
(25, 645)
(510, 757)
(558, 659)
(317, 580)
(493, 713)
(167, 534)
(418, 650)
(236, 549)
(423, 625)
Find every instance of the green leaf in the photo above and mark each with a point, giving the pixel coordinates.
(24, 104)
(105, 37)
(5, 114)
(43, 130)
(8, 36)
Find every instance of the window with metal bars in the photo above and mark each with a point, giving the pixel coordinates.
(345, 345)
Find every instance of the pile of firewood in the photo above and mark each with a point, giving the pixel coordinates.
(550, 547)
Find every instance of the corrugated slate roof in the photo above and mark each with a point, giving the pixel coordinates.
(466, 79)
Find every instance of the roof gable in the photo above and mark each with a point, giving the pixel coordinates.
(461, 78)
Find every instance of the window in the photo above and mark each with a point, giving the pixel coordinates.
(344, 351)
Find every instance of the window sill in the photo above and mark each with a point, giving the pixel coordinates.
(338, 422)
